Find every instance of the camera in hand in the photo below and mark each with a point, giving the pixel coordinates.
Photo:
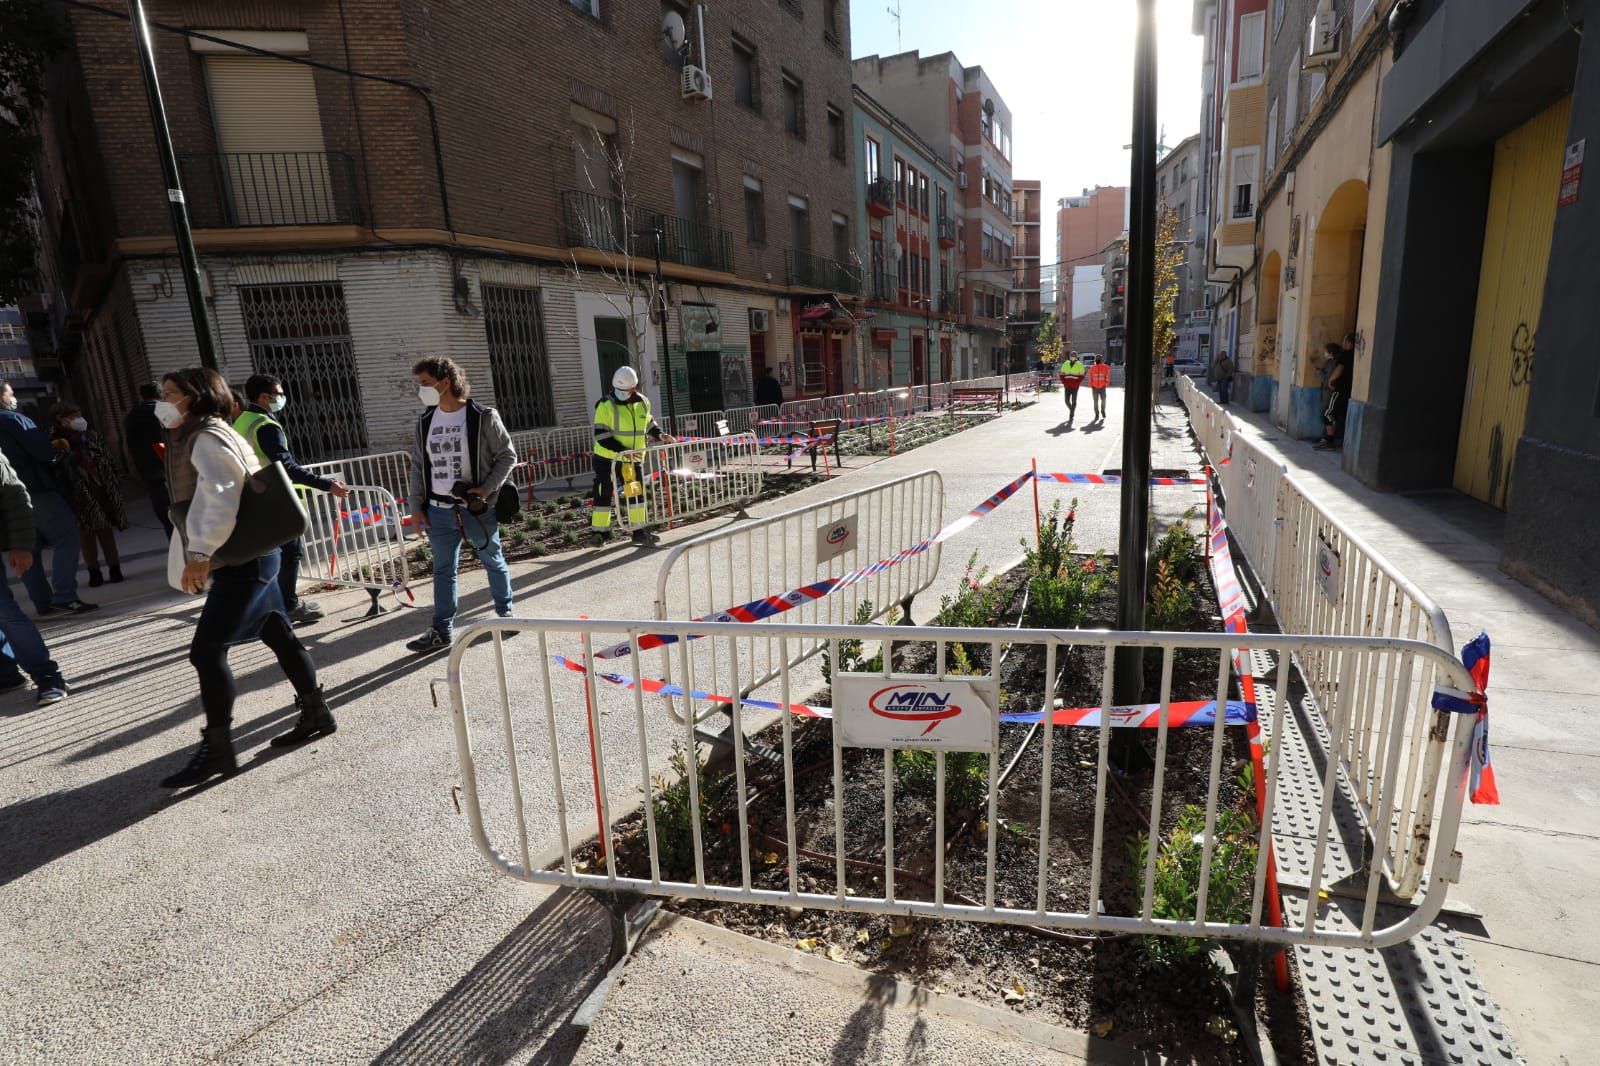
(474, 504)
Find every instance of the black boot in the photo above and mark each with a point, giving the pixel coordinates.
(116, 573)
(96, 579)
(315, 721)
(214, 756)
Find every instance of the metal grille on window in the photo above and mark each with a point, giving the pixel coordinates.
(517, 358)
(300, 334)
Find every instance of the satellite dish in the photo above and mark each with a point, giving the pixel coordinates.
(672, 30)
(896, 252)
(988, 106)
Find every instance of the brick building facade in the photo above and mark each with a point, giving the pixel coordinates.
(348, 224)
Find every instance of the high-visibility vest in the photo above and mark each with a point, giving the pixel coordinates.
(1072, 373)
(248, 425)
(628, 422)
(1099, 376)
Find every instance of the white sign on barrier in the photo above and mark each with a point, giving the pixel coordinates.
(695, 461)
(1327, 570)
(836, 538)
(873, 711)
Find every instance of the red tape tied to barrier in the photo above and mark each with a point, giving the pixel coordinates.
(1182, 715)
(768, 606)
(1475, 657)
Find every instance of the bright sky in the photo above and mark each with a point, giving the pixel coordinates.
(1064, 67)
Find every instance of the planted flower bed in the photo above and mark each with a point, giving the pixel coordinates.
(1157, 993)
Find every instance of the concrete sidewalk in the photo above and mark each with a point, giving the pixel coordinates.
(326, 904)
(1531, 864)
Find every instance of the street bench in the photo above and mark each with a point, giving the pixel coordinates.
(824, 432)
(978, 397)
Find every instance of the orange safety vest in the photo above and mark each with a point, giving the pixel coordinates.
(1099, 376)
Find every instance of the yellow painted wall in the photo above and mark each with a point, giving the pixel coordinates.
(1516, 253)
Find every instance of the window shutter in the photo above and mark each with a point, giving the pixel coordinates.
(269, 136)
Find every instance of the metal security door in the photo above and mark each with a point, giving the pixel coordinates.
(705, 381)
(1516, 252)
(300, 334)
(518, 362)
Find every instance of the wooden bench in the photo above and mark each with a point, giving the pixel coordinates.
(824, 431)
(967, 397)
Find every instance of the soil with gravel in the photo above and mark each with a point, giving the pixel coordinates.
(1107, 986)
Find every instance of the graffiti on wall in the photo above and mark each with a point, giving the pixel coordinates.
(1523, 343)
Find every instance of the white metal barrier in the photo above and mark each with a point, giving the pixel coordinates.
(563, 453)
(677, 481)
(358, 541)
(1321, 578)
(772, 555)
(391, 470)
(557, 747)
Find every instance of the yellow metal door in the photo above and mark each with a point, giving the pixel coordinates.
(1516, 251)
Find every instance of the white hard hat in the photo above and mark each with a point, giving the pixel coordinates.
(624, 379)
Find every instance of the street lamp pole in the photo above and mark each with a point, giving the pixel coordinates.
(1138, 319)
(176, 207)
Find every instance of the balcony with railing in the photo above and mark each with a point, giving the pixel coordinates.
(820, 272)
(947, 232)
(594, 222)
(880, 197)
(883, 286)
(228, 189)
(949, 302)
(604, 222)
(692, 243)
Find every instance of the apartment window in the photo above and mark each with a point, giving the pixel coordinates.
(916, 273)
(922, 193)
(835, 132)
(841, 238)
(799, 224)
(1242, 202)
(1252, 45)
(988, 124)
(1272, 136)
(755, 211)
(830, 21)
(300, 334)
(271, 162)
(899, 180)
(872, 160)
(794, 105)
(746, 80)
(927, 274)
(676, 56)
(944, 202)
(1291, 105)
(518, 360)
(901, 262)
(911, 187)
(588, 7)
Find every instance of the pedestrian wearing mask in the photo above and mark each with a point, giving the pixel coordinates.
(146, 441)
(40, 467)
(207, 466)
(1072, 375)
(460, 460)
(1099, 381)
(257, 423)
(96, 490)
(23, 648)
(623, 425)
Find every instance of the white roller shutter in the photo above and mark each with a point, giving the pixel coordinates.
(269, 135)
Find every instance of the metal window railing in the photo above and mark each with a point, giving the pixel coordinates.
(692, 243)
(947, 231)
(880, 196)
(227, 189)
(594, 221)
(820, 271)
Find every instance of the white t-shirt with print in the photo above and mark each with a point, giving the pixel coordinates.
(447, 449)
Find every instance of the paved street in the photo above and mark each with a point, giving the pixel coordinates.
(326, 904)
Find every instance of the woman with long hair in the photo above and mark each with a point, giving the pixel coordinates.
(207, 466)
(96, 496)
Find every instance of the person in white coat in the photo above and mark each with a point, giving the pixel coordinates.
(207, 465)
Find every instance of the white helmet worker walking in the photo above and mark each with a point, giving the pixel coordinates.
(622, 423)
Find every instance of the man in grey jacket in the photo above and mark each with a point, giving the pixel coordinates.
(460, 459)
(23, 647)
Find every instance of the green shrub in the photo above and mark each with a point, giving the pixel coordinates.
(976, 604)
(1177, 881)
(1171, 599)
(851, 652)
(1180, 546)
(1055, 543)
(534, 522)
(674, 819)
(1061, 587)
(966, 775)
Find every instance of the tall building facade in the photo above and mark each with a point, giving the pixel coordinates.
(1179, 179)
(1084, 226)
(959, 112)
(1024, 310)
(908, 224)
(349, 220)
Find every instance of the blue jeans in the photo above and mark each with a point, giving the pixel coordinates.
(58, 531)
(23, 646)
(444, 538)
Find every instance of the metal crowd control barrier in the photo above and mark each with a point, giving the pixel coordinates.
(358, 541)
(391, 470)
(576, 738)
(676, 481)
(564, 453)
(708, 574)
(1321, 578)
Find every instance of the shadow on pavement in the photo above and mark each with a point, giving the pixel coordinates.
(861, 1039)
(514, 1004)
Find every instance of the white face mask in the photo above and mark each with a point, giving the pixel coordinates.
(278, 403)
(428, 395)
(168, 414)
(78, 424)
(9, 402)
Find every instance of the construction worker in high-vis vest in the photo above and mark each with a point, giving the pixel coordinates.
(623, 428)
(1072, 374)
(264, 397)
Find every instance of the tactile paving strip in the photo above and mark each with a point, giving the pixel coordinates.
(1419, 1003)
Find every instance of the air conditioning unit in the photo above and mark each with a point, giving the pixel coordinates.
(961, 179)
(1322, 39)
(696, 83)
(760, 319)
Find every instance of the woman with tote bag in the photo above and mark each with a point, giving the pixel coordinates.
(211, 471)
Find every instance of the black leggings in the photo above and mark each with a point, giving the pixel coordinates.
(217, 687)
